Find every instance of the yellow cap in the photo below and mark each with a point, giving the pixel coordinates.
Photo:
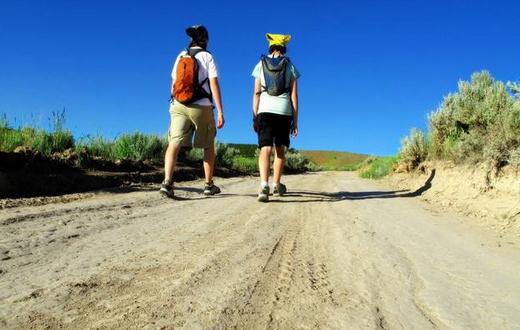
(278, 39)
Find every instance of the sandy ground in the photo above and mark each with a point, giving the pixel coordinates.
(338, 252)
(493, 204)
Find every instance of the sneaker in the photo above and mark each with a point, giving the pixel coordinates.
(263, 195)
(166, 190)
(279, 190)
(211, 189)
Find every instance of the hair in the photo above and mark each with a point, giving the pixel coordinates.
(199, 36)
(274, 48)
(200, 43)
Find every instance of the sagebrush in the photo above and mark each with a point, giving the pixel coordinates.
(480, 123)
(414, 149)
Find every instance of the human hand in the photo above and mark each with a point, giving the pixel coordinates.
(220, 120)
(294, 130)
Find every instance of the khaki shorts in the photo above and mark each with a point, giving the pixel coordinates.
(185, 121)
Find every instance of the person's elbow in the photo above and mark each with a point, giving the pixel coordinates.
(213, 81)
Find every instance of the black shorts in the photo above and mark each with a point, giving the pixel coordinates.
(273, 129)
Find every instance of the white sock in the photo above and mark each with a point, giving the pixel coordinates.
(264, 184)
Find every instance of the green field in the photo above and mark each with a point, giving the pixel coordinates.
(334, 160)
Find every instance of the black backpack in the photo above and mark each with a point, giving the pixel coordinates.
(275, 75)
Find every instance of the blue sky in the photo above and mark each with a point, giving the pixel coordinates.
(371, 70)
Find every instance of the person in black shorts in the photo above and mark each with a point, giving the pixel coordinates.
(275, 111)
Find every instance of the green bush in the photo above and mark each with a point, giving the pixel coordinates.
(297, 162)
(245, 164)
(59, 139)
(479, 123)
(377, 167)
(414, 148)
(247, 150)
(225, 155)
(139, 147)
(97, 146)
(10, 139)
(39, 140)
(195, 154)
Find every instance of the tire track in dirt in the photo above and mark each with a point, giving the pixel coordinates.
(295, 270)
(310, 260)
(230, 247)
(274, 281)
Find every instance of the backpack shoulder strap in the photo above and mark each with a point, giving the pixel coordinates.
(195, 51)
(192, 52)
(264, 68)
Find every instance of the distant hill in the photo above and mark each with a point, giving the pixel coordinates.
(325, 159)
(334, 160)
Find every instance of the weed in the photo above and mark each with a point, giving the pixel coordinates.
(414, 148)
(138, 147)
(377, 167)
(245, 164)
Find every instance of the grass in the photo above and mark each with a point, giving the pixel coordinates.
(247, 150)
(141, 147)
(245, 164)
(377, 167)
(37, 139)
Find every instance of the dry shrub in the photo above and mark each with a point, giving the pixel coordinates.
(479, 123)
(414, 149)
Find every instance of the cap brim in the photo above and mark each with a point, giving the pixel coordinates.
(190, 31)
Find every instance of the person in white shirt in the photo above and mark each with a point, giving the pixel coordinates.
(192, 123)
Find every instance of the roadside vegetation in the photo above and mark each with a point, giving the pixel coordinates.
(37, 139)
(377, 167)
(134, 147)
(243, 157)
(480, 123)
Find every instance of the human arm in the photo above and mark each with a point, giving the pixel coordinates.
(256, 101)
(215, 91)
(294, 103)
(173, 76)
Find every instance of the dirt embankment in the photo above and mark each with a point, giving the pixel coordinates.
(337, 252)
(492, 201)
(28, 174)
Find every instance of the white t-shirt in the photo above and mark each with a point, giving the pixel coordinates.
(207, 68)
(280, 104)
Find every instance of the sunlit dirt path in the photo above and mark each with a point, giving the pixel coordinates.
(337, 252)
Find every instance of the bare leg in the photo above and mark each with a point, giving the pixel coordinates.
(264, 162)
(209, 163)
(279, 162)
(170, 160)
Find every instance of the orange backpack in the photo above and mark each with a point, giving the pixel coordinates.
(187, 88)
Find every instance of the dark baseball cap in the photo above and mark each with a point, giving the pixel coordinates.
(197, 32)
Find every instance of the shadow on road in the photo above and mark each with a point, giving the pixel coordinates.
(309, 196)
(312, 196)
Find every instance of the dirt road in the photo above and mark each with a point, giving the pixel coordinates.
(338, 252)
